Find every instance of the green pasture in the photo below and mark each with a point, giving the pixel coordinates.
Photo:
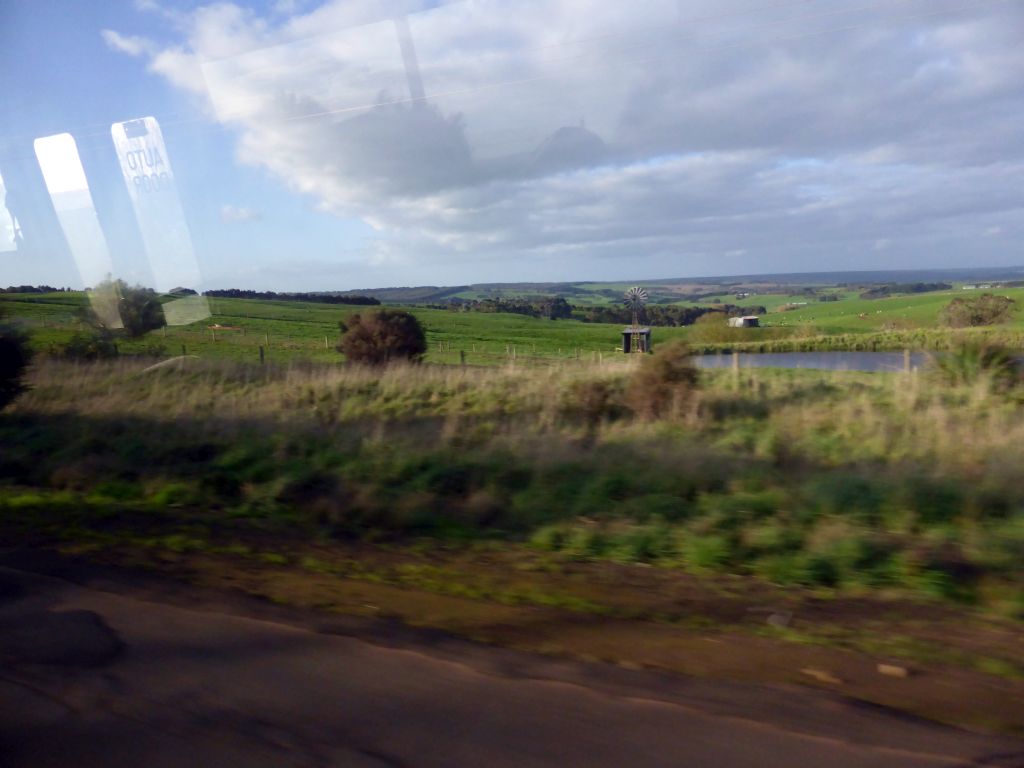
(309, 331)
(291, 330)
(853, 315)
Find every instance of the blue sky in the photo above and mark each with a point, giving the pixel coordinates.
(558, 139)
(67, 79)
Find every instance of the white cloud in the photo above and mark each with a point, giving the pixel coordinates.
(230, 214)
(130, 44)
(576, 129)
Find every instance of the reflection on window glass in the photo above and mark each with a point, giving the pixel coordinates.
(10, 232)
(65, 181)
(147, 173)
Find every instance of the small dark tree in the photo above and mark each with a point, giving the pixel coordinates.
(555, 308)
(14, 359)
(376, 338)
(115, 304)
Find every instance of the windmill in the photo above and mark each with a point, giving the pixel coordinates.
(638, 338)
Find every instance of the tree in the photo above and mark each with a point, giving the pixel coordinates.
(380, 337)
(114, 305)
(986, 309)
(14, 359)
(555, 308)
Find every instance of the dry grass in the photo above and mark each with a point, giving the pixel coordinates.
(797, 476)
(838, 417)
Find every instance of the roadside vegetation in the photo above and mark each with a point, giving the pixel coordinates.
(15, 356)
(837, 481)
(518, 480)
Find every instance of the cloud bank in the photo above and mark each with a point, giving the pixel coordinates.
(675, 136)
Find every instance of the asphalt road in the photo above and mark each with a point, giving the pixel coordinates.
(90, 677)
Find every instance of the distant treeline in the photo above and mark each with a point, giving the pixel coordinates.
(554, 308)
(320, 298)
(882, 291)
(549, 307)
(661, 316)
(32, 289)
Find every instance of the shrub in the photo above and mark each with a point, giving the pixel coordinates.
(847, 494)
(713, 328)
(986, 309)
(116, 305)
(590, 401)
(663, 382)
(387, 335)
(707, 552)
(14, 359)
(93, 345)
(973, 362)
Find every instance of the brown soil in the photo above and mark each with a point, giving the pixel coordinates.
(961, 667)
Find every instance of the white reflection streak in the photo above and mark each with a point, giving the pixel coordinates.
(65, 181)
(147, 172)
(8, 225)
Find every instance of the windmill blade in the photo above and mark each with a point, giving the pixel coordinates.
(635, 297)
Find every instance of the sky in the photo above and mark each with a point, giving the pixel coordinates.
(310, 145)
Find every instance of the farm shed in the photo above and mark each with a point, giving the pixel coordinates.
(750, 321)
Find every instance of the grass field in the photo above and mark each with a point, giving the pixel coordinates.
(853, 315)
(861, 480)
(538, 503)
(308, 331)
(301, 330)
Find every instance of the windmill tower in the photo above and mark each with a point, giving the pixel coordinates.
(636, 338)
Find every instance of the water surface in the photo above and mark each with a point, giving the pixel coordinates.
(825, 361)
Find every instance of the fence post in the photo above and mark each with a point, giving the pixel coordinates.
(462, 357)
(183, 352)
(261, 354)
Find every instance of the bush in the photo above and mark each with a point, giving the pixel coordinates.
(663, 382)
(713, 328)
(972, 362)
(590, 401)
(986, 309)
(707, 552)
(94, 345)
(14, 359)
(377, 338)
(115, 305)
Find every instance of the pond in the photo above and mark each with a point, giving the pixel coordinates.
(826, 361)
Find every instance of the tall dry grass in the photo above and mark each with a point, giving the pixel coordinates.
(835, 417)
(798, 476)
